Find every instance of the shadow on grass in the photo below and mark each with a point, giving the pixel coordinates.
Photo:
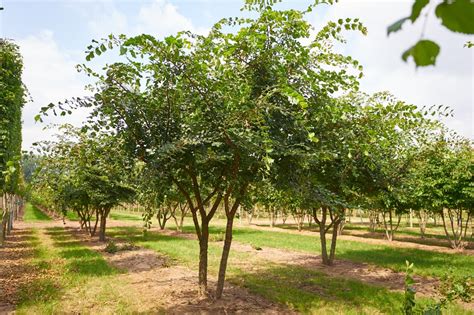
(39, 291)
(426, 262)
(80, 260)
(308, 291)
(93, 266)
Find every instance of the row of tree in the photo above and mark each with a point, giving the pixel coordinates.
(261, 111)
(12, 98)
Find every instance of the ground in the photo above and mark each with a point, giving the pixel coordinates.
(52, 267)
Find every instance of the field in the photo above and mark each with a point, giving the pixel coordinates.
(55, 268)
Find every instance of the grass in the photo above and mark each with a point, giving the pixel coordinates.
(62, 263)
(33, 214)
(125, 216)
(427, 263)
(304, 290)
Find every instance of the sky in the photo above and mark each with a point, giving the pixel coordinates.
(53, 35)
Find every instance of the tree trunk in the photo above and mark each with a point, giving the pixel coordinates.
(272, 216)
(249, 217)
(335, 233)
(422, 219)
(203, 246)
(322, 235)
(458, 229)
(225, 257)
(389, 228)
(103, 222)
(93, 231)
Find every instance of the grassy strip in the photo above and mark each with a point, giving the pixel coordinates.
(301, 289)
(427, 263)
(62, 263)
(125, 216)
(33, 214)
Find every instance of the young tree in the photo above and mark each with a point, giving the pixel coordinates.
(212, 113)
(87, 173)
(445, 169)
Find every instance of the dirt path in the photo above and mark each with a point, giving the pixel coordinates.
(173, 288)
(15, 268)
(366, 273)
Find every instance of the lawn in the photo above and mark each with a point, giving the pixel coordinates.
(33, 214)
(427, 263)
(301, 289)
(64, 268)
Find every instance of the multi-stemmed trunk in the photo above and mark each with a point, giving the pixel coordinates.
(390, 228)
(457, 226)
(272, 216)
(179, 222)
(422, 219)
(324, 227)
(164, 214)
(299, 219)
(373, 220)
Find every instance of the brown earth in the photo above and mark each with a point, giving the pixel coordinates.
(172, 288)
(16, 268)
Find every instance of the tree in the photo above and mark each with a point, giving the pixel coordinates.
(456, 16)
(12, 97)
(212, 113)
(87, 173)
(446, 168)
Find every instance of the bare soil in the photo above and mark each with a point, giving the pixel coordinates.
(15, 267)
(370, 274)
(172, 288)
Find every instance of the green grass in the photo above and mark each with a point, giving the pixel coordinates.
(33, 214)
(125, 216)
(304, 290)
(72, 216)
(427, 263)
(63, 263)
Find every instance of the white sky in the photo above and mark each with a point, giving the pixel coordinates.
(54, 34)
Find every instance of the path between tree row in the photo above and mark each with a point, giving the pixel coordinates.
(150, 275)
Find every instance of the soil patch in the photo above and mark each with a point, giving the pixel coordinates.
(173, 289)
(16, 270)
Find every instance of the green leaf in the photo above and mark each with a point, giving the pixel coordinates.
(416, 9)
(38, 118)
(424, 53)
(395, 27)
(457, 16)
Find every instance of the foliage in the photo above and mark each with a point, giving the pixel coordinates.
(86, 173)
(12, 98)
(451, 289)
(111, 247)
(456, 16)
(410, 291)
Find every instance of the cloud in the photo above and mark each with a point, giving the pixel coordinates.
(50, 76)
(159, 18)
(107, 20)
